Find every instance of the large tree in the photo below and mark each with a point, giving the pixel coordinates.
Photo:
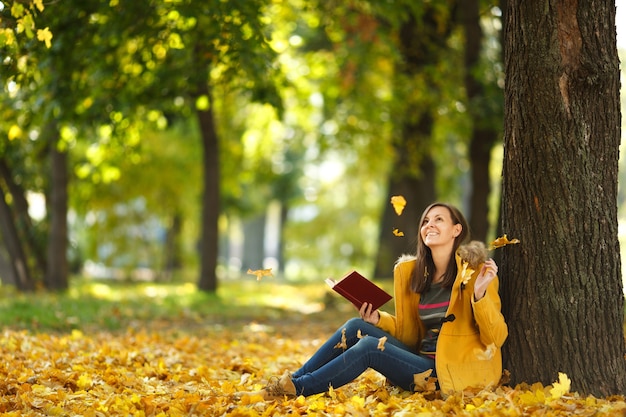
(562, 287)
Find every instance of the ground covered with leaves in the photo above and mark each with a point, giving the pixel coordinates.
(191, 364)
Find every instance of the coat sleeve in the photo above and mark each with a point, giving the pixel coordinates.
(387, 322)
(489, 318)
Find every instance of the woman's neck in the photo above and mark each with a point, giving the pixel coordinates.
(441, 259)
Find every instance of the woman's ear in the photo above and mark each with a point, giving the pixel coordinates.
(457, 229)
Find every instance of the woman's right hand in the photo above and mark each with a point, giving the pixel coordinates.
(368, 315)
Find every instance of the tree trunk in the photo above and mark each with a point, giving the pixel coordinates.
(253, 242)
(17, 259)
(56, 276)
(418, 192)
(24, 225)
(210, 197)
(483, 135)
(413, 174)
(171, 248)
(562, 287)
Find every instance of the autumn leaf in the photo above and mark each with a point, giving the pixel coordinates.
(424, 382)
(399, 203)
(466, 274)
(487, 354)
(561, 387)
(381, 343)
(343, 344)
(502, 241)
(396, 232)
(261, 273)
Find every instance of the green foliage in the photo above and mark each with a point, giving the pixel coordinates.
(305, 106)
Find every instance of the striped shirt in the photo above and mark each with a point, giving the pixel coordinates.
(432, 309)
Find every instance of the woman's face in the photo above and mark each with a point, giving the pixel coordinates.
(438, 229)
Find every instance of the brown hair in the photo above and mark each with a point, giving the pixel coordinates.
(424, 265)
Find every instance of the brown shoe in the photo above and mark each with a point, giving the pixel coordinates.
(276, 389)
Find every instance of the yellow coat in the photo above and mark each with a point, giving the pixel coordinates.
(468, 347)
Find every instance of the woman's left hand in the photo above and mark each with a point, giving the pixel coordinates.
(487, 274)
(368, 314)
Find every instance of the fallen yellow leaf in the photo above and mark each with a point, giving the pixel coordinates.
(561, 387)
(381, 343)
(342, 344)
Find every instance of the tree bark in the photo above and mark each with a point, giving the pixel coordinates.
(56, 276)
(562, 287)
(210, 197)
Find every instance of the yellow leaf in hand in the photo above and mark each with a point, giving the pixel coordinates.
(502, 241)
(261, 273)
(561, 387)
(381, 343)
(398, 202)
(396, 232)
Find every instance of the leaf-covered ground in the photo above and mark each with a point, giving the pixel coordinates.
(190, 362)
(169, 372)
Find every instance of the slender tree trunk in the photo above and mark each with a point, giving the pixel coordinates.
(562, 286)
(484, 134)
(17, 259)
(24, 225)
(171, 248)
(210, 197)
(56, 276)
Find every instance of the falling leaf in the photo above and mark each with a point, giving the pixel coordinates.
(381, 343)
(502, 241)
(487, 354)
(343, 344)
(399, 203)
(424, 382)
(561, 387)
(396, 232)
(261, 273)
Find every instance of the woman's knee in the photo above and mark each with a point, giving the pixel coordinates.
(367, 344)
(353, 325)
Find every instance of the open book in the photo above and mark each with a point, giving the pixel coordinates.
(357, 289)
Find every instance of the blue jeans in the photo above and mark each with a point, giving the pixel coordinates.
(337, 366)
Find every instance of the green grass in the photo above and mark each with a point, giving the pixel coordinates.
(109, 305)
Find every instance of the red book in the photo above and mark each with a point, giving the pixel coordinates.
(357, 289)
